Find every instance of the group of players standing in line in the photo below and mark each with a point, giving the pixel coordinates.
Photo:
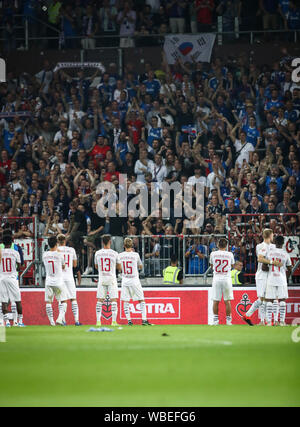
(273, 269)
(274, 266)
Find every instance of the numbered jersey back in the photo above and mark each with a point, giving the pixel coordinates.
(69, 255)
(8, 266)
(222, 262)
(277, 275)
(130, 262)
(106, 260)
(53, 262)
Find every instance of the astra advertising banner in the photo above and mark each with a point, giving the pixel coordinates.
(165, 306)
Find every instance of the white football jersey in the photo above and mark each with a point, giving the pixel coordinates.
(69, 255)
(8, 266)
(277, 275)
(263, 249)
(130, 261)
(222, 262)
(53, 262)
(106, 260)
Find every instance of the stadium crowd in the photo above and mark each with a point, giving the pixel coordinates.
(229, 124)
(84, 23)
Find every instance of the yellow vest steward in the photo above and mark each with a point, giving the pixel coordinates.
(235, 277)
(171, 275)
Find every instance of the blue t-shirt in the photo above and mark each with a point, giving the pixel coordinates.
(197, 265)
(8, 136)
(293, 17)
(279, 183)
(154, 133)
(252, 135)
(284, 4)
(152, 87)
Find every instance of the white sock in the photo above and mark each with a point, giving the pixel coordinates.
(143, 310)
(14, 312)
(216, 318)
(275, 310)
(269, 311)
(228, 319)
(98, 311)
(255, 306)
(262, 312)
(20, 318)
(49, 311)
(282, 311)
(126, 310)
(1, 313)
(114, 311)
(75, 311)
(60, 309)
(5, 318)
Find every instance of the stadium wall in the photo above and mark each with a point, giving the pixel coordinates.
(31, 61)
(172, 306)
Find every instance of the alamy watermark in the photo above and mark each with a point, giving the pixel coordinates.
(156, 200)
(296, 71)
(2, 71)
(296, 332)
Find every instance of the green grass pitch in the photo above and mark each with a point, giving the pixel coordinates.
(139, 366)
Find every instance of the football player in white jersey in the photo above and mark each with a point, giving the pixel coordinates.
(277, 281)
(221, 262)
(129, 263)
(262, 251)
(106, 264)
(54, 286)
(9, 284)
(70, 259)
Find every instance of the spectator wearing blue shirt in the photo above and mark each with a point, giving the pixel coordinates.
(197, 258)
(154, 132)
(295, 171)
(283, 9)
(274, 177)
(8, 135)
(293, 17)
(105, 88)
(124, 146)
(253, 134)
(274, 103)
(152, 85)
(290, 113)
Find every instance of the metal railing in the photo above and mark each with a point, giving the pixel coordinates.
(249, 36)
(192, 251)
(245, 232)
